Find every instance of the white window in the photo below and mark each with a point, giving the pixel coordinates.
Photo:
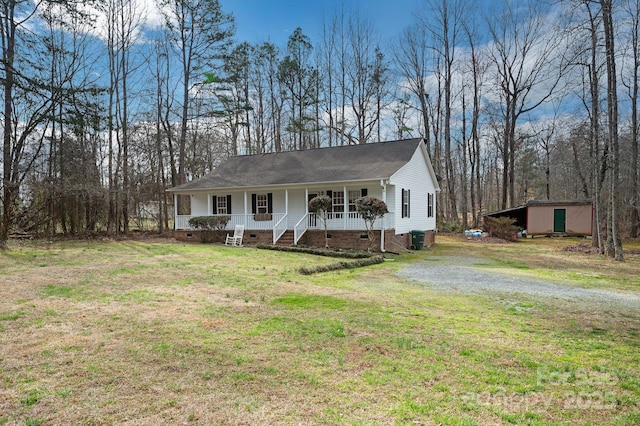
(338, 201)
(262, 204)
(221, 208)
(430, 205)
(406, 203)
(353, 196)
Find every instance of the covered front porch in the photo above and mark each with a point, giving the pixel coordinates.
(284, 211)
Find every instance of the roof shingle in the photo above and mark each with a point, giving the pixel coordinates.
(335, 164)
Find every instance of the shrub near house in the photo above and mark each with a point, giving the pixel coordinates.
(207, 224)
(371, 209)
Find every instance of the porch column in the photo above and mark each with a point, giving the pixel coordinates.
(306, 200)
(345, 207)
(246, 212)
(382, 221)
(286, 202)
(209, 209)
(175, 211)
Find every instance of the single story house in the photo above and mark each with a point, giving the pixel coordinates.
(545, 217)
(269, 194)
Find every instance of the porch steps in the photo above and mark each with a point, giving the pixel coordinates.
(286, 239)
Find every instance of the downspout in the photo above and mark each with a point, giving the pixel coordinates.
(383, 183)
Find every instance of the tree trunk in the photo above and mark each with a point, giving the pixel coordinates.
(612, 112)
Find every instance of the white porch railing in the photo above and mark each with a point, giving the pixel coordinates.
(277, 222)
(300, 228)
(250, 221)
(279, 229)
(350, 221)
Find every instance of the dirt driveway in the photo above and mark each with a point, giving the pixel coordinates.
(465, 275)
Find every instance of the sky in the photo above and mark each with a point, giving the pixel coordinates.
(275, 20)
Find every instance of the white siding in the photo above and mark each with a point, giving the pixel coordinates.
(414, 176)
(199, 205)
(297, 207)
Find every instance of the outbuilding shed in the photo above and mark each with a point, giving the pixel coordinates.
(545, 217)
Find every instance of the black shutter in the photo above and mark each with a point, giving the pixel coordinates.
(215, 205)
(364, 192)
(270, 203)
(254, 202)
(228, 204)
(330, 195)
(408, 203)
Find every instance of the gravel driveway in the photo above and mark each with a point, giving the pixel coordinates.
(464, 275)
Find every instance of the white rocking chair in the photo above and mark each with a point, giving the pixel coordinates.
(236, 238)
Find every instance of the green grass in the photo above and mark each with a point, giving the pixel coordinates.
(166, 333)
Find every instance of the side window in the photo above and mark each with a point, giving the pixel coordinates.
(262, 203)
(353, 196)
(406, 203)
(221, 208)
(222, 204)
(337, 201)
(429, 205)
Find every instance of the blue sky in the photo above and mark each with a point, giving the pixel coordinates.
(275, 20)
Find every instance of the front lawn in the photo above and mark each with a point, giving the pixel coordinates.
(167, 333)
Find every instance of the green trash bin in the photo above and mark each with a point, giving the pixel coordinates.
(417, 240)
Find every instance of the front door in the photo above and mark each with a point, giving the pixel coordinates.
(559, 220)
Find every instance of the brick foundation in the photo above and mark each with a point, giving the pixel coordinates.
(250, 237)
(315, 238)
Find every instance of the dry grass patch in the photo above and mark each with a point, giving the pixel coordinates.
(547, 258)
(155, 333)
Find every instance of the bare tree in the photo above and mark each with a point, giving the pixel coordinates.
(445, 19)
(366, 78)
(589, 60)
(526, 53)
(297, 74)
(631, 80)
(614, 244)
(199, 32)
(123, 24)
(27, 103)
(412, 58)
(477, 69)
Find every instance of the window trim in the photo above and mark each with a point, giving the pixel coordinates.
(337, 207)
(254, 202)
(216, 204)
(262, 204)
(406, 203)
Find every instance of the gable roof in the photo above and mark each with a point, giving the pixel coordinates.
(335, 164)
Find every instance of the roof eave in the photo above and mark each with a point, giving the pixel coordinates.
(280, 185)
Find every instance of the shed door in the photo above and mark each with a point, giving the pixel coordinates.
(559, 220)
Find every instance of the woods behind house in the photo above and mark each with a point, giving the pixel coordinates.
(104, 107)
